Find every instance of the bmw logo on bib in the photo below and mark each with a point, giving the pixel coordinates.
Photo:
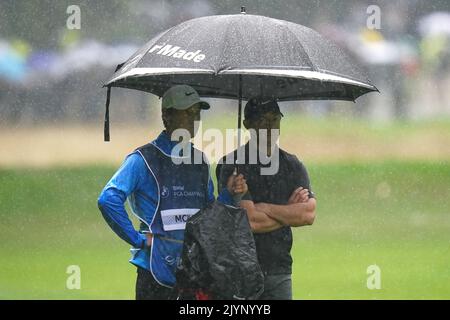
(164, 192)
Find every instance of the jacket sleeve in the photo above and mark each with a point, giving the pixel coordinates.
(112, 198)
(224, 195)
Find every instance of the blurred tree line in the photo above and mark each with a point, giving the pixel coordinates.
(39, 22)
(41, 25)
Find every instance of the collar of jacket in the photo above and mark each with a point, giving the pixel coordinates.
(165, 144)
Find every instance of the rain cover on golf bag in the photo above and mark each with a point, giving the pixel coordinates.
(219, 255)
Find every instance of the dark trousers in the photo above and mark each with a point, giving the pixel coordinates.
(148, 289)
(277, 287)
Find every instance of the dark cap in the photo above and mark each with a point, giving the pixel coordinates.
(256, 107)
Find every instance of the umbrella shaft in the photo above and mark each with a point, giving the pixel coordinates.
(239, 115)
(240, 110)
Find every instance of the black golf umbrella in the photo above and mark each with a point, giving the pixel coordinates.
(241, 56)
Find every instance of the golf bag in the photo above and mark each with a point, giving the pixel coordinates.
(219, 258)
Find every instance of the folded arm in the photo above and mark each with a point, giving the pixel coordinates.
(260, 222)
(294, 215)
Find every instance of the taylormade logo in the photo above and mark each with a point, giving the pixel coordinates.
(177, 52)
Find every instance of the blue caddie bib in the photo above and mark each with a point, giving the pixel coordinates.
(183, 191)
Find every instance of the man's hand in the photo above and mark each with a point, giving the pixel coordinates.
(299, 195)
(149, 239)
(236, 184)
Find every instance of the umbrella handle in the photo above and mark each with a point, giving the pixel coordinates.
(236, 197)
(106, 123)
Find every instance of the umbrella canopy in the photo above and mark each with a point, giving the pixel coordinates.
(242, 56)
(277, 58)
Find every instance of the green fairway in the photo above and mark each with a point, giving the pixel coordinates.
(392, 214)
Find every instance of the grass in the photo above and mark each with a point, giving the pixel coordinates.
(317, 140)
(338, 124)
(389, 213)
(394, 215)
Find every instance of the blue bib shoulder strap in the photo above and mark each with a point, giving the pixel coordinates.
(161, 164)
